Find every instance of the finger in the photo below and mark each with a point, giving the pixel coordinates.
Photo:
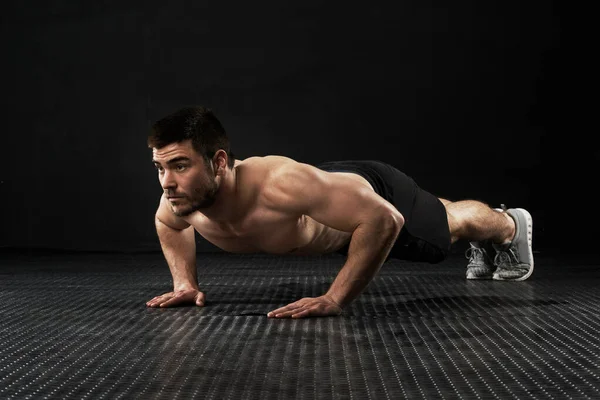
(289, 313)
(275, 312)
(169, 301)
(281, 310)
(286, 308)
(154, 302)
(200, 299)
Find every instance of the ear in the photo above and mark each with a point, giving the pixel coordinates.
(220, 161)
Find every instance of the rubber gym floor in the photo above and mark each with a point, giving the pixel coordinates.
(75, 326)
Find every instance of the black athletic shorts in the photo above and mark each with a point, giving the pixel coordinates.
(425, 235)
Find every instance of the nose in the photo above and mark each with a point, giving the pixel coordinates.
(167, 180)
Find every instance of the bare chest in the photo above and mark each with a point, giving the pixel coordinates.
(259, 231)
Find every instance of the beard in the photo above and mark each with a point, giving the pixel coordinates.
(201, 199)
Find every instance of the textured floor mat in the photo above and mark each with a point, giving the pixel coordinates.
(76, 327)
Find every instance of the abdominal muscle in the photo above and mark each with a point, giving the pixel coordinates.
(268, 231)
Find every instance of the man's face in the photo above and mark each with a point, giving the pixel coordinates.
(188, 182)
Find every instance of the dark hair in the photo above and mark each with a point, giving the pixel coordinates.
(196, 123)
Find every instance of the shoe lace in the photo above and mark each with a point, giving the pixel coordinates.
(475, 254)
(506, 258)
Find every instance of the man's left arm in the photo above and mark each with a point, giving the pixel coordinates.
(369, 247)
(338, 202)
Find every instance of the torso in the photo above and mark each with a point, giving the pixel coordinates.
(263, 230)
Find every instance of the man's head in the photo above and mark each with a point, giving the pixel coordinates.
(191, 152)
(197, 124)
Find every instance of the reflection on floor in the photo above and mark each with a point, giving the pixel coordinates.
(76, 326)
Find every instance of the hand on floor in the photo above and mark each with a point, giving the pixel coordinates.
(178, 298)
(308, 307)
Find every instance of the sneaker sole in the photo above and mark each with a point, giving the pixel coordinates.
(529, 247)
(479, 278)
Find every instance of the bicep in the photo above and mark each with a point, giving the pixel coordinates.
(334, 200)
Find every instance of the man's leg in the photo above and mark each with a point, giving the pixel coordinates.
(475, 221)
(508, 233)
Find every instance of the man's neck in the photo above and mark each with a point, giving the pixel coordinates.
(226, 206)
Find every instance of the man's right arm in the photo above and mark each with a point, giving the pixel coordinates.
(179, 249)
(178, 243)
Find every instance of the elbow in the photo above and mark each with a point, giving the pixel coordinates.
(392, 221)
(396, 221)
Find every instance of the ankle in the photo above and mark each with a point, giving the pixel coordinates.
(508, 233)
(512, 231)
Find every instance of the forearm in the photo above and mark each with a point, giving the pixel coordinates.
(179, 249)
(369, 248)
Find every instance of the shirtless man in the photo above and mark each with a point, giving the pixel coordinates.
(366, 210)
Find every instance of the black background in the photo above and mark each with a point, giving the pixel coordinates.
(482, 100)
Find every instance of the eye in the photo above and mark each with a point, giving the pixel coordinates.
(180, 167)
(158, 167)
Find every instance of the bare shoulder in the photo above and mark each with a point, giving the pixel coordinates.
(270, 162)
(283, 171)
(283, 176)
(272, 174)
(289, 181)
(335, 200)
(268, 170)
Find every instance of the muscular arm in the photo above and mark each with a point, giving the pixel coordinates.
(177, 240)
(179, 249)
(340, 203)
(369, 247)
